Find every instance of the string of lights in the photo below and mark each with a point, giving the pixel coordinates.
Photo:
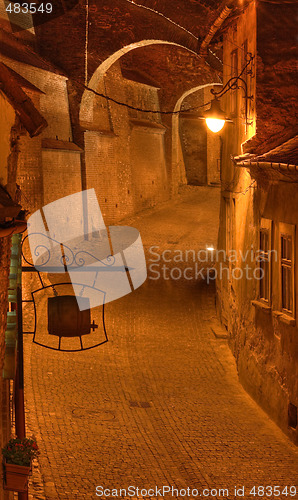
(120, 103)
(178, 25)
(162, 15)
(226, 186)
(86, 42)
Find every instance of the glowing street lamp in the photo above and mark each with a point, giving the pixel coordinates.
(215, 117)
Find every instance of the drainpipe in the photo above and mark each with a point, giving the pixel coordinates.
(215, 27)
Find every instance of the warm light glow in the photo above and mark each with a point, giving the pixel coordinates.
(211, 249)
(215, 124)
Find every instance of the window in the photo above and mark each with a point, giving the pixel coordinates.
(287, 235)
(276, 259)
(264, 265)
(286, 272)
(265, 260)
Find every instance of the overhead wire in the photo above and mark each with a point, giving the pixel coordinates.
(135, 108)
(170, 112)
(142, 110)
(226, 186)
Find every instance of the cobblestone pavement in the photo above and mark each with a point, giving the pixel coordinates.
(160, 403)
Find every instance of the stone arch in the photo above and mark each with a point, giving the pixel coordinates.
(108, 140)
(86, 107)
(178, 167)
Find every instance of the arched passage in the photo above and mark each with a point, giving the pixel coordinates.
(178, 161)
(86, 108)
(129, 153)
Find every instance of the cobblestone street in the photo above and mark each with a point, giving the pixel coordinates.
(160, 403)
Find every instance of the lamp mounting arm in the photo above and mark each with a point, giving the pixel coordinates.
(233, 83)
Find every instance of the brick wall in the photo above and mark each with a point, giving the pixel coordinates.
(52, 101)
(29, 175)
(126, 164)
(46, 176)
(54, 106)
(61, 174)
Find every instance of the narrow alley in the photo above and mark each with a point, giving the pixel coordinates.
(160, 403)
(148, 249)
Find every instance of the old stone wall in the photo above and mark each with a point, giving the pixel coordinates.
(128, 154)
(201, 148)
(194, 146)
(50, 96)
(263, 340)
(236, 229)
(124, 155)
(268, 358)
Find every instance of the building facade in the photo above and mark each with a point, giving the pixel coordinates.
(257, 294)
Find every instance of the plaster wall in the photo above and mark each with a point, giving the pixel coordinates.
(200, 147)
(193, 136)
(265, 346)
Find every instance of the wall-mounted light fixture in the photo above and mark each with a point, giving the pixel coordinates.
(215, 117)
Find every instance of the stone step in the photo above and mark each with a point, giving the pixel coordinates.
(218, 330)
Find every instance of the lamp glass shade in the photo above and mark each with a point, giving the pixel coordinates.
(214, 124)
(215, 117)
